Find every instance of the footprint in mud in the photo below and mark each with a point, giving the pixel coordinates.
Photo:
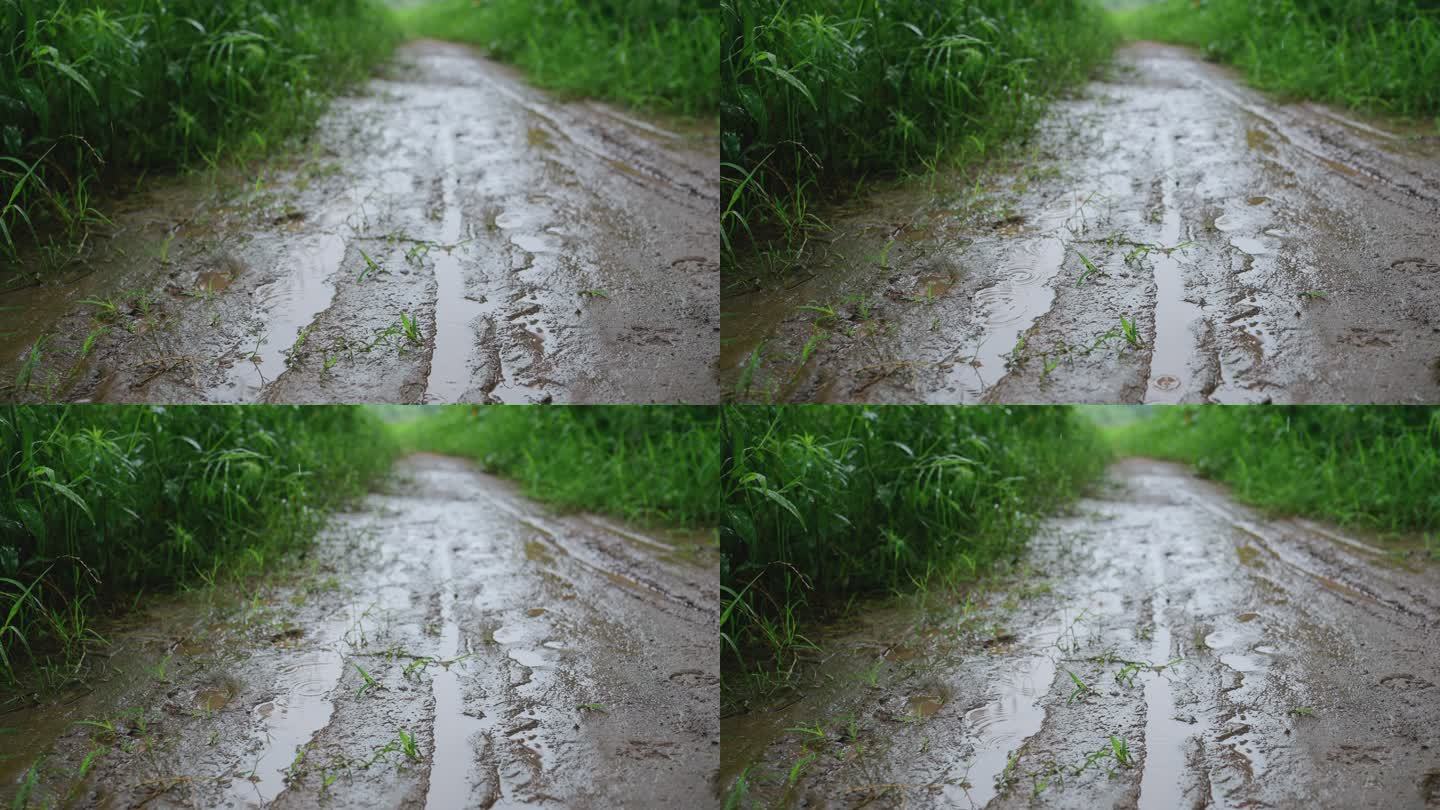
(694, 679)
(1405, 682)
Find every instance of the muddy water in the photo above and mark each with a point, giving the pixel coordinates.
(1261, 251)
(533, 659)
(1241, 662)
(545, 251)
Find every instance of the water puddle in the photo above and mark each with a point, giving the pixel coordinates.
(305, 287)
(1009, 307)
(1013, 715)
(301, 706)
(1160, 785)
(1172, 380)
(454, 730)
(456, 315)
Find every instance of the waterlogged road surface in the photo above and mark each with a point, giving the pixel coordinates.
(1309, 272)
(1219, 659)
(544, 251)
(533, 659)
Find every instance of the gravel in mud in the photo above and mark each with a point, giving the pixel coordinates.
(533, 659)
(1219, 659)
(544, 251)
(1258, 251)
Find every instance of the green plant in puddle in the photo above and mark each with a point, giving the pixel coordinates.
(593, 294)
(1314, 294)
(598, 708)
(798, 769)
(828, 317)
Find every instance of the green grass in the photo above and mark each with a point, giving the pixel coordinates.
(92, 91)
(1376, 55)
(102, 505)
(817, 95)
(650, 464)
(1371, 467)
(656, 54)
(824, 503)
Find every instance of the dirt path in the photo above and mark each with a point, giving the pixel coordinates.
(546, 251)
(1310, 272)
(1243, 662)
(534, 659)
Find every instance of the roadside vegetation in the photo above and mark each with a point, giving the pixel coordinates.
(95, 92)
(826, 504)
(649, 464)
(1376, 55)
(1370, 467)
(656, 54)
(821, 96)
(101, 506)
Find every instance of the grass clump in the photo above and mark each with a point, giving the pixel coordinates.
(818, 93)
(1371, 467)
(658, 54)
(99, 505)
(1376, 55)
(95, 89)
(650, 464)
(822, 503)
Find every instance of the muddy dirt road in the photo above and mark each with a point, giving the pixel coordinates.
(1258, 251)
(1219, 659)
(531, 658)
(544, 251)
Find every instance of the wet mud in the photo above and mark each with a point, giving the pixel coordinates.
(448, 644)
(1161, 647)
(450, 234)
(1167, 236)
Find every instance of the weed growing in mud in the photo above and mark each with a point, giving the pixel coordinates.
(1081, 690)
(1090, 269)
(411, 329)
(368, 683)
(1131, 333)
(598, 708)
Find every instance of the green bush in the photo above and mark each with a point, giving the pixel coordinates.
(654, 464)
(825, 502)
(1374, 467)
(661, 54)
(818, 92)
(100, 504)
(92, 87)
(1378, 55)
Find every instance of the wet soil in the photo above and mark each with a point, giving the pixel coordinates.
(1260, 252)
(533, 659)
(545, 251)
(1236, 661)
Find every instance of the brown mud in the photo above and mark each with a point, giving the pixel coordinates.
(533, 659)
(1219, 659)
(544, 250)
(1261, 252)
